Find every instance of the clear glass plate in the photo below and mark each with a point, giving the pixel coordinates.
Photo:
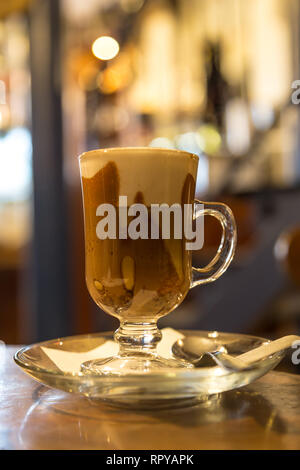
(167, 388)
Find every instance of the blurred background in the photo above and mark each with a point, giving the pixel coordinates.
(213, 77)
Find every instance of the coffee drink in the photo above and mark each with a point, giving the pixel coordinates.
(136, 279)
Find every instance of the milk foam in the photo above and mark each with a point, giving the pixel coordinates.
(159, 174)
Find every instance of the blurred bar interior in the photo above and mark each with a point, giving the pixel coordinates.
(212, 77)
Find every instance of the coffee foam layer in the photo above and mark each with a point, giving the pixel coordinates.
(143, 170)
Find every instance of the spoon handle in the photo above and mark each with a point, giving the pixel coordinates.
(269, 348)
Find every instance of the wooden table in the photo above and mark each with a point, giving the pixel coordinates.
(263, 415)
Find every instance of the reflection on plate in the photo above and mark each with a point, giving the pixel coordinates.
(168, 388)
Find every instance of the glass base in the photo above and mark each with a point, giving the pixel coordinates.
(128, 365)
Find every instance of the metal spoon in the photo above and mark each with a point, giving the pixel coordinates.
(194, 349)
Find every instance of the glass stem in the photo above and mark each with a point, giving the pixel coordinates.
(137, 338)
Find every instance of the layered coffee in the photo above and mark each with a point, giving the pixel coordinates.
(136, 279)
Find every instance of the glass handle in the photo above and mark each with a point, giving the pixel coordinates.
(225, 252)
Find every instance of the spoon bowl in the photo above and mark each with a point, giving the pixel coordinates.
(195, 350)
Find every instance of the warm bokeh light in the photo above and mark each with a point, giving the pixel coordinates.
(116, 76)
(87, 76)
(210, 138)
(109, 81)
(105, 48)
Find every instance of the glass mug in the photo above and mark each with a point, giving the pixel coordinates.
(134, 274)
